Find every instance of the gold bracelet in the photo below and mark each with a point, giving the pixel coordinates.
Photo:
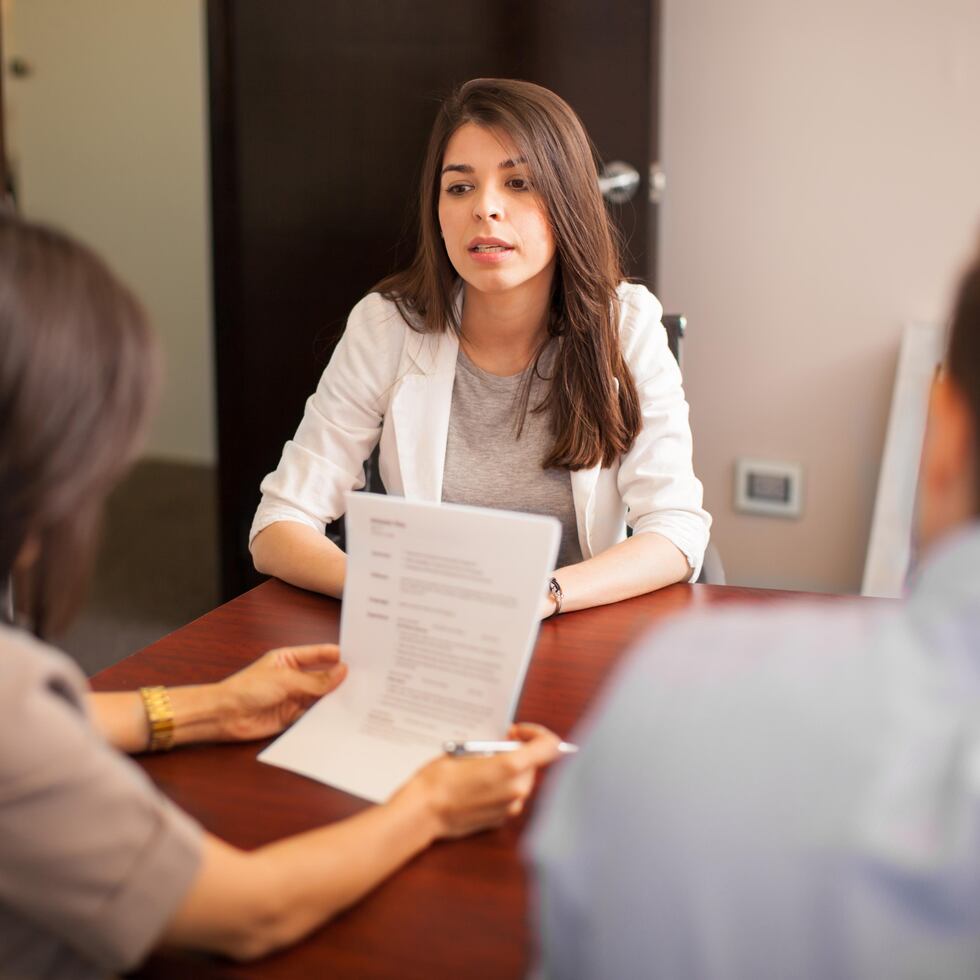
(160, 716)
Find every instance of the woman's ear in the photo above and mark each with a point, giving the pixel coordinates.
(29, 553)
(948, 471)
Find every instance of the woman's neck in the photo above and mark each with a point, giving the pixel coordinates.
(502, 332)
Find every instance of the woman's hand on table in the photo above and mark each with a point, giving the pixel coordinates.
(258, 701)
(463, 796)
(273, 691)
(248, 903)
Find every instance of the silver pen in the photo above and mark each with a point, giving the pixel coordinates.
(472, 747)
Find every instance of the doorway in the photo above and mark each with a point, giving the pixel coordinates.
(319, 117)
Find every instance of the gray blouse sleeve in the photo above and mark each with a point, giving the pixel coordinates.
(92, 856)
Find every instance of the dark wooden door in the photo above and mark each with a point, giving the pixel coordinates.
(320, 110)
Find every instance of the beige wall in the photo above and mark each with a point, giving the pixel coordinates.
(108, 139)
(823, 166)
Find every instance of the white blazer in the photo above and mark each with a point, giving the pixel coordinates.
(385, 381)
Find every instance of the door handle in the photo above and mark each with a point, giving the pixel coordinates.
(618, 182)
(20, 67)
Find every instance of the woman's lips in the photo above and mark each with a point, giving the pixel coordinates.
(489, 254)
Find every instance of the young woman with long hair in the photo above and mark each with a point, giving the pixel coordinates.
(510, 365)
(96, 866)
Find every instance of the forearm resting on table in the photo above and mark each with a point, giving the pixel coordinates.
(298, 554)
(247, 904)
(643, 563)
(121, 716)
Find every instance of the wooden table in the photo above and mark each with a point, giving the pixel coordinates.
(458, 910)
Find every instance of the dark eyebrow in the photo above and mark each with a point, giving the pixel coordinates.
(465, 168)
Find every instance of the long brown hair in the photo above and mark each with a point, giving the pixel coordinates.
(592, 399)
(77, 374)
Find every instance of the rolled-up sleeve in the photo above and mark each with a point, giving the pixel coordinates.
(94, 861)
(341, 423)
(656, 477)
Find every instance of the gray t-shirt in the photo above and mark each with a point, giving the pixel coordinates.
(488, 466)
(94, 861)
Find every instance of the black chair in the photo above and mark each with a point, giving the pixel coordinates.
(675, 324)
(712, 571)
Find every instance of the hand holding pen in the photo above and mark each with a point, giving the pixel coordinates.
(482, 747)
(468, 793)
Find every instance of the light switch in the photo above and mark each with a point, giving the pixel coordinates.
(768, 487)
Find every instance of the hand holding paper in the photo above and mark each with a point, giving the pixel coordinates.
(439, 618)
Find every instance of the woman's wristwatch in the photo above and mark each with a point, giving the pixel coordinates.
(555, 590)
(159, 718)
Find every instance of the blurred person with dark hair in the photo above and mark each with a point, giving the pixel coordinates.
(791, 792)
(96, 866)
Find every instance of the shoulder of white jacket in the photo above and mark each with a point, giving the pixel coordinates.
(641, 332)
(376, 332)
(376, 313)
(375, 323)
(637, 303)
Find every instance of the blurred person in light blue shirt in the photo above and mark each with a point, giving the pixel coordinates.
(791, 792)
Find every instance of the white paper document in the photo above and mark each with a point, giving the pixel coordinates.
(440, 614)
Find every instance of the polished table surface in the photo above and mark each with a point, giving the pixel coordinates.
(459, 909)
